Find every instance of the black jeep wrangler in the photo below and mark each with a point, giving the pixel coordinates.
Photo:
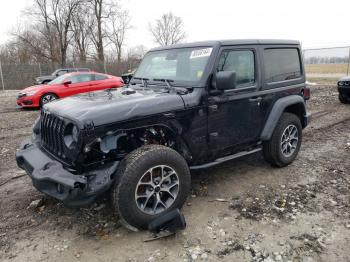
(344, 89)
(188, 106)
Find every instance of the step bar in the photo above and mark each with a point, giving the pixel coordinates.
(226, 158)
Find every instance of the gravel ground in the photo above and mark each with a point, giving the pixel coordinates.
(243, 210)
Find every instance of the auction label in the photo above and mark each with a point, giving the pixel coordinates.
(201, 53)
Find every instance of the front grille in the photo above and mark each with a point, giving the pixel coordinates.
(52, 132)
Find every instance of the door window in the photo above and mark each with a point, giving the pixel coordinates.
(80, 78)
(100, 77)
(240, 61)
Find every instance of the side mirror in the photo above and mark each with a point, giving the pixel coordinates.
(226, 80)
(67, 83)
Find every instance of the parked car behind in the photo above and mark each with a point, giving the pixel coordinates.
(344, 89)
(127, 76)
(66, 85)
(45, 79)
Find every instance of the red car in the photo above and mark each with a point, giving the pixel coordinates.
(66, 85)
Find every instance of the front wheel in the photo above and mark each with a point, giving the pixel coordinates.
(47, 98)
(149, 182)
(284, 145)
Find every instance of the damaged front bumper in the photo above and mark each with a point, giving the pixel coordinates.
(49, 177)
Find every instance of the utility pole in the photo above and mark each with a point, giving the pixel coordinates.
(347, 73)
(2, 77)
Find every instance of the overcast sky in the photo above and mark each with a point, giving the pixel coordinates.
(314, 23)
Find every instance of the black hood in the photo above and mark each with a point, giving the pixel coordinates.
(110, 106)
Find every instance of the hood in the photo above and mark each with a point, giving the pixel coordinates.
(110, 106)
(32, 88)
(344, 78)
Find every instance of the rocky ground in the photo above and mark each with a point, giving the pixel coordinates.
(243, 210)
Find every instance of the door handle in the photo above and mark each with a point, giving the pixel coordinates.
(255, 99)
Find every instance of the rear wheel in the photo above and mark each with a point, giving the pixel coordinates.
(284, 145)
(150, 181)
(47, 98)
(343, 99)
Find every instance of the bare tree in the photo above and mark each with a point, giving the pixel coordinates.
(81, 25)
(38, 45)
(53, 23)
(118, 24)
(96, 28)
(168, 30)
(62, 16)
(40, 35)
(58, 30)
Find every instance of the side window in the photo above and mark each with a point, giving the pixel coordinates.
(240, 61)
(281, 64)
(100, 77)
(80, 78)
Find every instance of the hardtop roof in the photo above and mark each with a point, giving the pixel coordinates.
(230, 42)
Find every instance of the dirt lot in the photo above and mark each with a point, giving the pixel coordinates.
(243, 210)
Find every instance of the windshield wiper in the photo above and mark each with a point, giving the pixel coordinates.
(170, 86)
(143, 80)
(167, 81)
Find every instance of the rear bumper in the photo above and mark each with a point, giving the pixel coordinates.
(49, 177)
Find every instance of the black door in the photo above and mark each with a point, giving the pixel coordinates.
(235, 116)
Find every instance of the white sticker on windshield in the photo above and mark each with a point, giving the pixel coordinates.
(201, 53)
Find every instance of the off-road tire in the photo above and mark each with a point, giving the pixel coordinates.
(272, 149)
(130, 171)
(343, 99)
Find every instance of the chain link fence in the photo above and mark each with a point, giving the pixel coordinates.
(327, 65)
(18, 76)
(323, 65)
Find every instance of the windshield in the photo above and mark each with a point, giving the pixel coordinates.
(55, 73)
(57, 80)
(182, 65)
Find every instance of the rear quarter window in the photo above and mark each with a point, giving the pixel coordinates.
(281, 64)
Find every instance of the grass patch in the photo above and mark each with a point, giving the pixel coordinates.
(326, 68)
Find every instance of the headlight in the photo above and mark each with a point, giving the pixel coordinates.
(30, 93)
(340, 83)
(71, 135)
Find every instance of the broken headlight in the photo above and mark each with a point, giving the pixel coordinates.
(71, 135)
